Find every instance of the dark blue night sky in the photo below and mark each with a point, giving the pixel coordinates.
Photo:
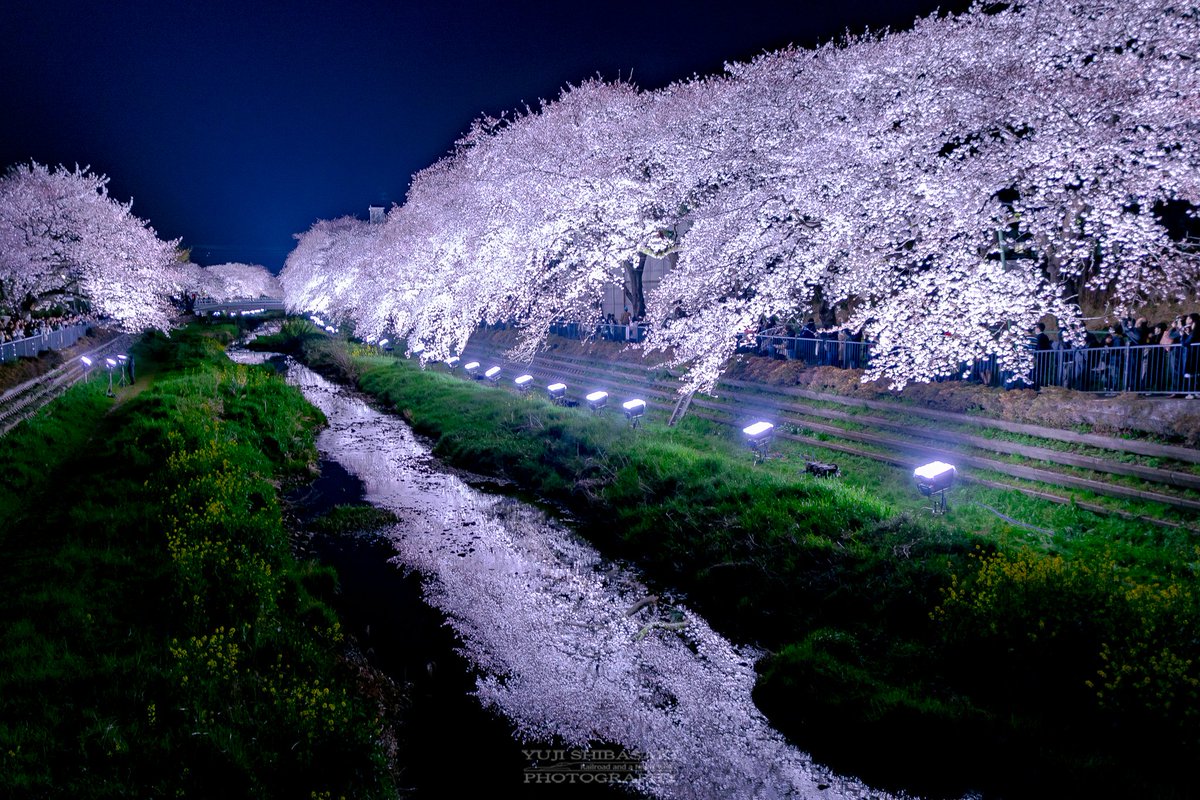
(236, 124)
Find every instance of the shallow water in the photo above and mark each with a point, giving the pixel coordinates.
(596, 691)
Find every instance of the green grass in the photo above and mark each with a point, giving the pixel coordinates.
(291, 337)
(352, 519)
(158, 636)
(962, 645)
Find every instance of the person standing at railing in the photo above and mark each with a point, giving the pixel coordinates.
(854, 351)
(1156, 359)
(806, 348)
(1189, 346)
(828, 349)
(1041, 354)
(1174, 365)
(1187, 341)
(1120, 378)
(1109, 364)
(1178, 335)
(1139, 338)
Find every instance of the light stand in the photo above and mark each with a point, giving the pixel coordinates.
(758, 436)
(933, 481)
(634, 411)
(597, 401)
(110, 365)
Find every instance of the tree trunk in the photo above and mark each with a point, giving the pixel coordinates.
(634, 297)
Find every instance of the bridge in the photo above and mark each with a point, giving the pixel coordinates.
(238, 306)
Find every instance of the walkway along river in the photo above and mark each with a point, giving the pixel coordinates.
(598, 685)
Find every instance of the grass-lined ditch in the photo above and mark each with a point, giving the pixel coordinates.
(936, 655)
(159, 637)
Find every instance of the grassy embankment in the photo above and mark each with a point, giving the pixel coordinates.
(936, 655)
(157, 636)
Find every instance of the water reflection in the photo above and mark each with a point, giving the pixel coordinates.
(566, 643)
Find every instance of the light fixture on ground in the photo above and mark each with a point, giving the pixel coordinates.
(452, 363)
(110, 364)
(472, 369)
(523, 383)
(758, 436)
(493, 375)
(557, 392)
(634, 411)
(933, 481)
(87, 367)
(122, 362)
(597, 401)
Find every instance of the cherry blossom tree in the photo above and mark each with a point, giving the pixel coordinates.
(942, 187)
(188, 278)
(243, 280)
(59, 227)
(900, 159)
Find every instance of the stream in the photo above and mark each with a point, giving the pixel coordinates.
(554, 671)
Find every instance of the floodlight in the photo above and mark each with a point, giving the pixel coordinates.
(122, 361)
(597, 401)
(109, 364)
(87, 362)
(758, 436)
(557, 392)
(758, 431)
(634, 410)
(331, 329)
(934, 480)
(382, 342)
(452, 362)
(493, 374)
(471, 369)
(523, 382)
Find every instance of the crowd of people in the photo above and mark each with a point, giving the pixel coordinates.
(1128, 356)
(13, 329)
(627, 329)
(824, 347)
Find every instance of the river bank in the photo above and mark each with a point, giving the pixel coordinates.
(160, 638)
(891, 655)
(548, 627)
(442, 726)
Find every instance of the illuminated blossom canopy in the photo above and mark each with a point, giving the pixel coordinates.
(232, 281)
(945, 187)
(59, 228)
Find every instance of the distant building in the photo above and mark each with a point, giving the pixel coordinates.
(376, 214)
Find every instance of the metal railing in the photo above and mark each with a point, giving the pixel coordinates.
(820, 351)
(207, 305)
(1148, 368)
(1143, 369)
(608, 331)
(31, 346)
